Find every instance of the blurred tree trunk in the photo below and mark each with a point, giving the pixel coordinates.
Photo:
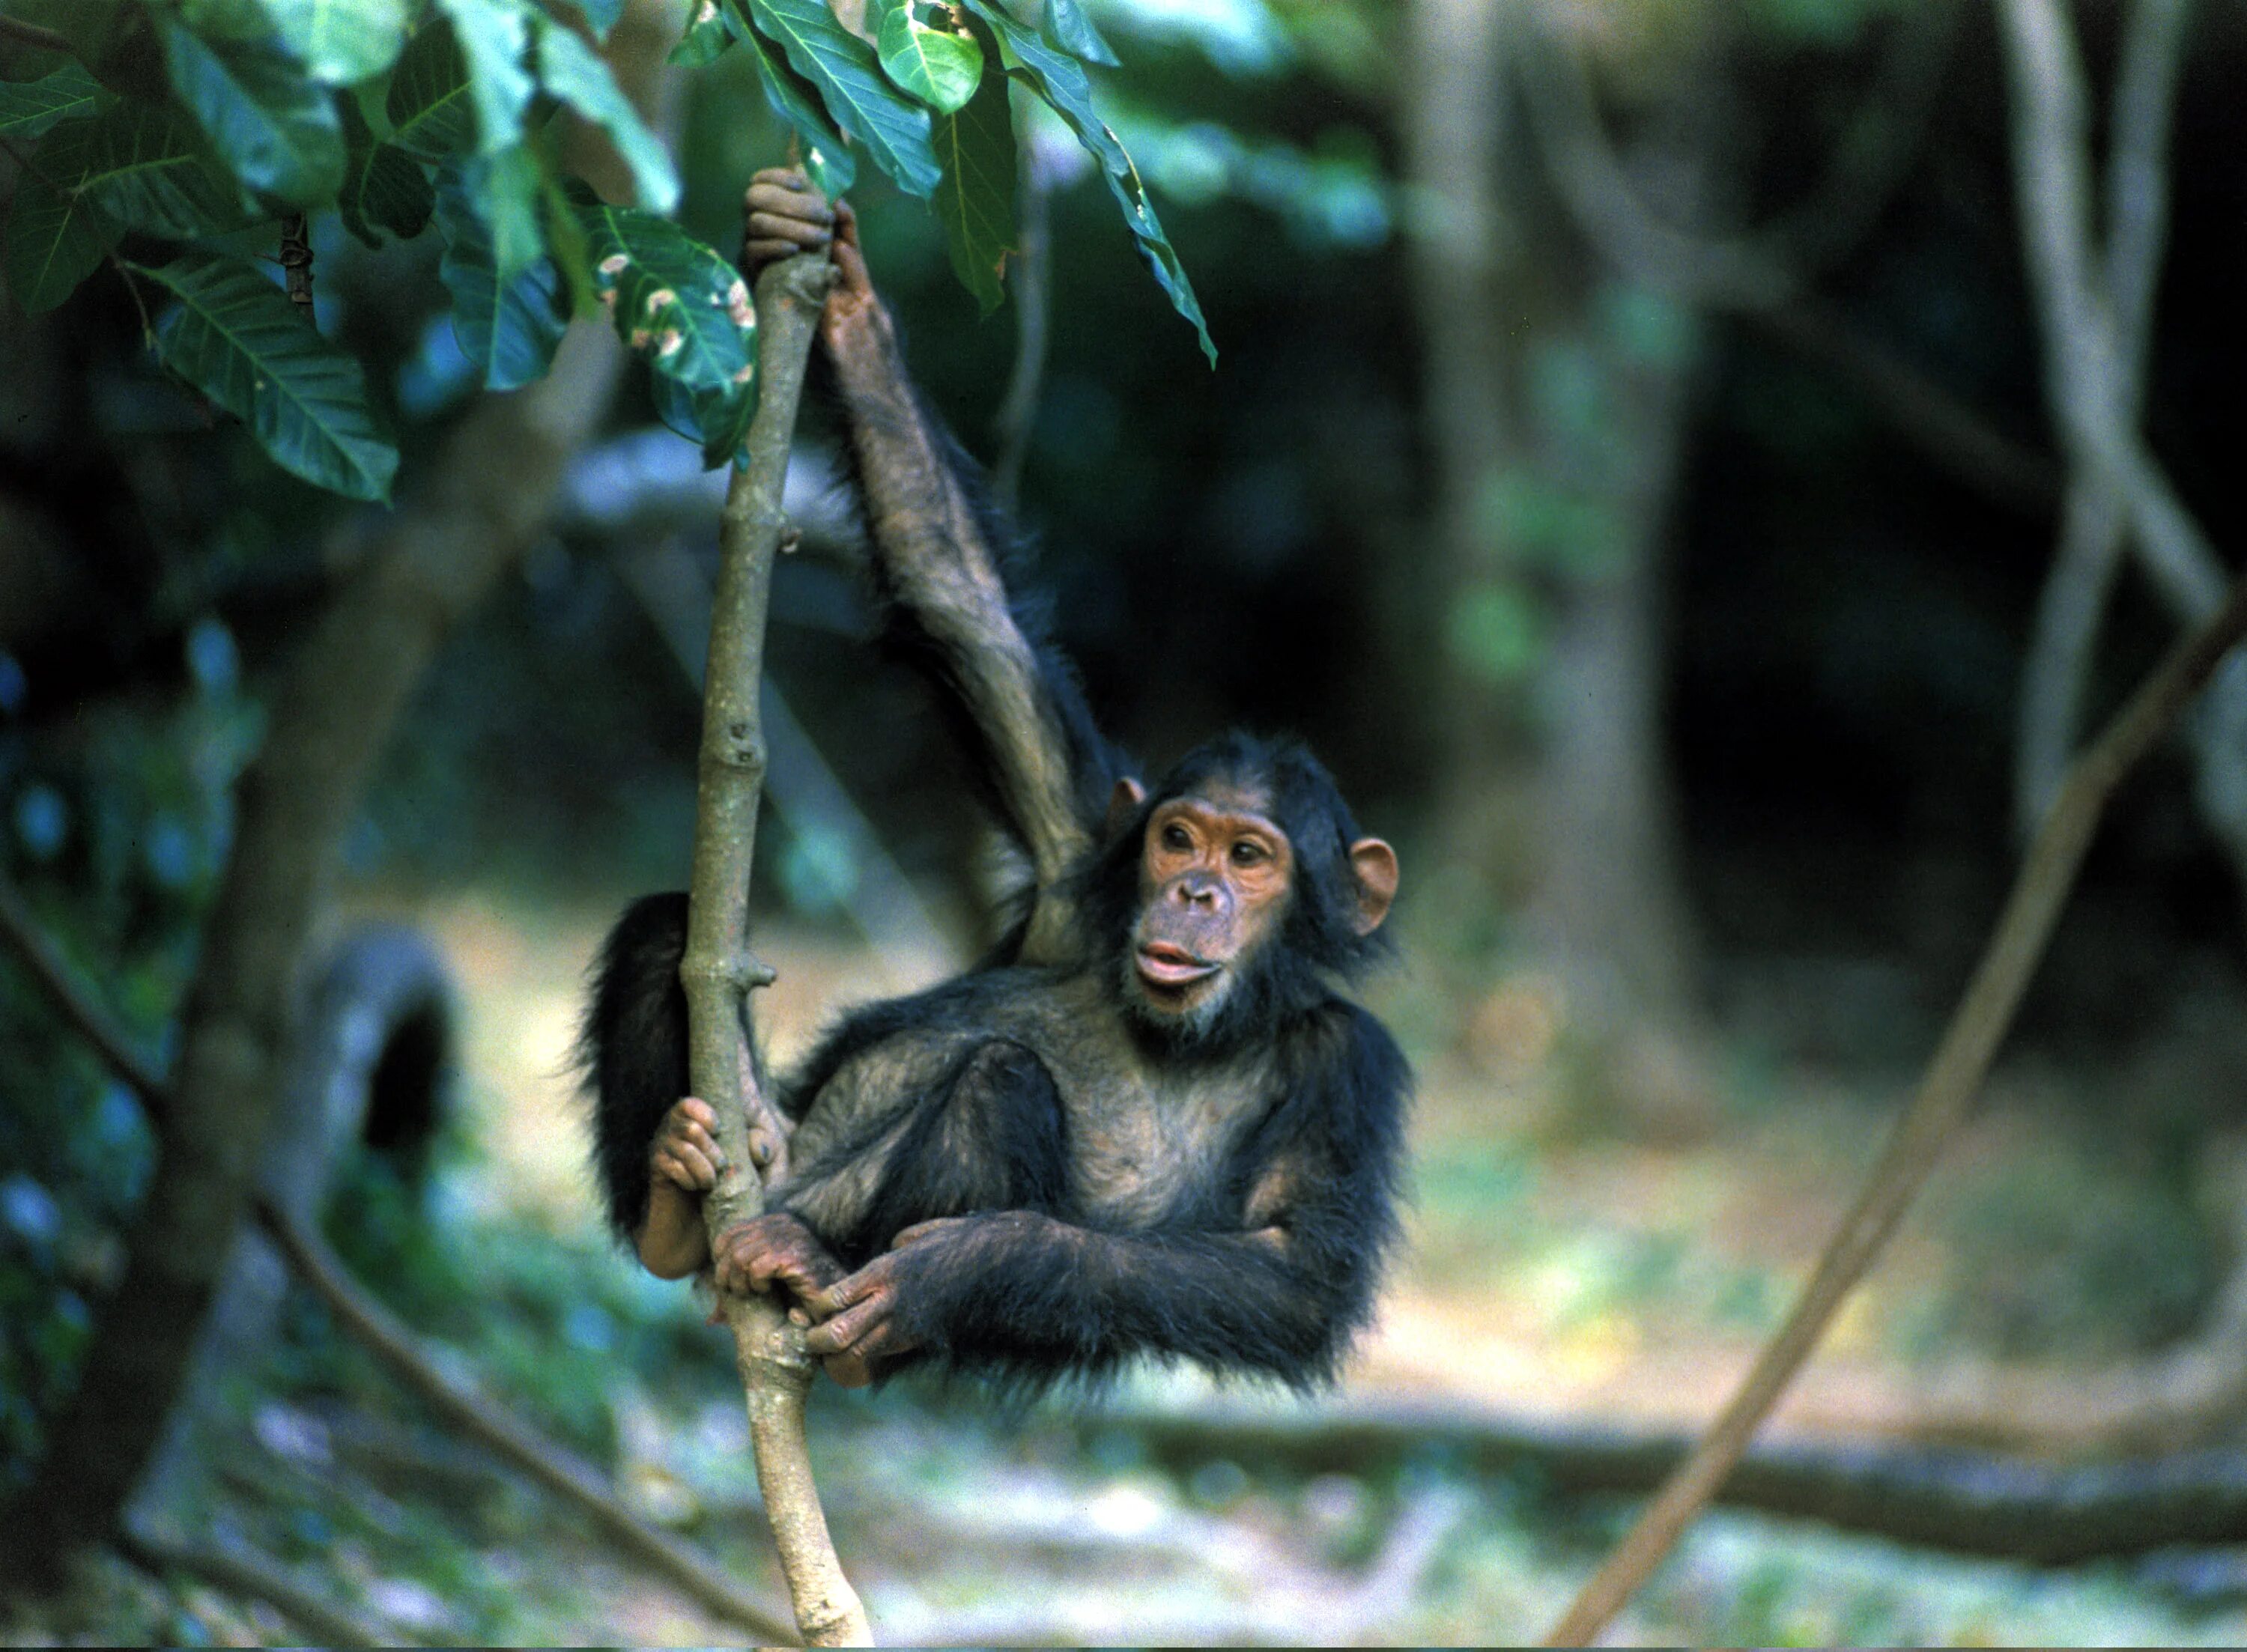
(1554, 798)
(484, 500)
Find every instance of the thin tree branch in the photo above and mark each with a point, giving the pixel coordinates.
(40, 955)
(1754, 276)
(719, 970)
(2063, 642)
(32, 34)
(1032, 272)
(1953, 1077)
(239, 1570)
(1918, 408)
(504, 1434)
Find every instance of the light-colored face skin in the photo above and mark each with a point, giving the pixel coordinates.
(1214, 875)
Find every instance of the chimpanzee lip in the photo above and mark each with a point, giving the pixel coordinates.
(1163, 965)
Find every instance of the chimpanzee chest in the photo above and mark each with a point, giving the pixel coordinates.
(1150, 1142)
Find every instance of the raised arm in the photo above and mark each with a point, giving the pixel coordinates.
(937, 554)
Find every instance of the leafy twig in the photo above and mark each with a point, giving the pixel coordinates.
(1953, 1077)
(296, 258)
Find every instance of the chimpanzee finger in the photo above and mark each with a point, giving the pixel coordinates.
(773, 226)
(849, 1370)
(779, 177)
(845, 1331)
(699, 1111)
(830, 1300)
(686, 1166)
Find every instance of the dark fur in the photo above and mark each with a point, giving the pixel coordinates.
(1021, 1095)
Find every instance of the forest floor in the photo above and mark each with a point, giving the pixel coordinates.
(1558, 1269)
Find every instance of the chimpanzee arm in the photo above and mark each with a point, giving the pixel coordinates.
(1025, 1296)
(938, 557)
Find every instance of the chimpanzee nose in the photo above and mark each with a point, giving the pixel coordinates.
(1197, 890)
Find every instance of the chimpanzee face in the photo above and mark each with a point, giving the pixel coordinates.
(1215, 872)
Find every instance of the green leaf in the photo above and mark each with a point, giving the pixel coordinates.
(1061, 81)
(707, 37)
(686, 311)
(341, 41)
(975, 203)
(508, 328)
(829, 159)
(1068, 27)
(493, 36)
(29, 107)
(236, 337)
(602, 14)
(276, 130)
(431, 112)
(384, 187)
(144, 165)
(568, 68)
(55, 241)
(939, 69)
(850, 82)
(506, 189)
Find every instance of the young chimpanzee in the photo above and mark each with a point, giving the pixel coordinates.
(1147, 1124)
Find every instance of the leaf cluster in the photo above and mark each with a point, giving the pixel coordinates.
(180, 138)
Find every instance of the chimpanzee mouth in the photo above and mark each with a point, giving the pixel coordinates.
(1168, 968)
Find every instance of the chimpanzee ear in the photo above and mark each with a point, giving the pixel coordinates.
(1123, 803)
(1374, 864)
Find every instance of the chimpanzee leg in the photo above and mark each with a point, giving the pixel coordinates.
(987, 1135)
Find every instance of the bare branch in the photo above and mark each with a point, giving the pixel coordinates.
(40, 955)
(239, 1570)
(1018, 409)
(1954, 1075)
(2062, 646)
(718, 970)
(507, 1435)
(32, 34)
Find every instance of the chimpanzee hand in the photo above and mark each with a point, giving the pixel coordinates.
(751, 1255)
(686, 1151)
(783, 215)
(859, 1327)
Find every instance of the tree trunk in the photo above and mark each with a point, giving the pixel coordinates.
(332, 711)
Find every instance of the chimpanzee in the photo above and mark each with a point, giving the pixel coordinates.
(1146, 1125)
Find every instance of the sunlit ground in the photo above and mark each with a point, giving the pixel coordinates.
(1550, 1272)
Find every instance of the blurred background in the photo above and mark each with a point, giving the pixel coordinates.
(1629, 462)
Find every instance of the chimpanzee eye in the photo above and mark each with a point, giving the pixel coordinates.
(1174, 837)
(1246, 853)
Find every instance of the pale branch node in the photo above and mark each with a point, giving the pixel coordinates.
(719, 969)
(1953, 1077)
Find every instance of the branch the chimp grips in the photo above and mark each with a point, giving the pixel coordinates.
(718, 970)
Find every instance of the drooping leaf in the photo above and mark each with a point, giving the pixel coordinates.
(686, 311)
(826, 157)
(1068, 27)
(234, 336)
(1061, 81)
(277, 130)
(29, 107)
(509, 328)
(384, 187)
(55, 241)
(341, 41)
(857, 96)
(493, 35)
(505, 189)
(717, 421)
(568, 69)
(975, 203)
(939, 68)
(601, 15)
(431, 112)
(147, 168)
(707, 37)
